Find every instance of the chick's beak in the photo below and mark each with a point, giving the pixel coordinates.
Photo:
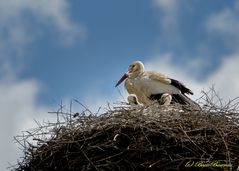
(122, 79)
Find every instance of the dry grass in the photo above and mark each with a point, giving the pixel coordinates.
(137, 138)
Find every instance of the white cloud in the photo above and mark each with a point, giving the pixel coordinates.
(18, 108)
(225, 21)
(224, 78)
(168, 6)
(169, 9)
(169, 19)
(96, 99)
(23, 21)
(225, 24)
(17, 19)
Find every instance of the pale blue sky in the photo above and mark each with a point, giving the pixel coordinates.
(59, 49)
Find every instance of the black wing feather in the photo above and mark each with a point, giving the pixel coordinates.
(181, 87)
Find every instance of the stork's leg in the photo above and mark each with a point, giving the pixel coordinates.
(166, 99)
(133, 99)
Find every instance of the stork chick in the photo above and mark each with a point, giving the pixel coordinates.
(132, 99)
(166, 99)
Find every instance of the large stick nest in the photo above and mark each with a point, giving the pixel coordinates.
(136, 138)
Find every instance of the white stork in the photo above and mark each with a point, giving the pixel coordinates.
(150, 86)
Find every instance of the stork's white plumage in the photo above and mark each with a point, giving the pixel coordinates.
(149, 86)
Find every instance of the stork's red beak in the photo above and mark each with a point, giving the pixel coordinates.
(122, 79)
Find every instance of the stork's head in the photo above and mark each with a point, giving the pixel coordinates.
(134, 70)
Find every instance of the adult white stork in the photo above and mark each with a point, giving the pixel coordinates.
(150, 86)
